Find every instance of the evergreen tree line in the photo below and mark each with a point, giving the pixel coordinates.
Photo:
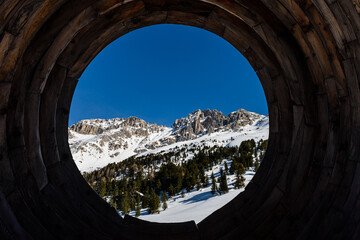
(142, 182)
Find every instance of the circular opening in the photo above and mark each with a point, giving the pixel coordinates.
(154, 140)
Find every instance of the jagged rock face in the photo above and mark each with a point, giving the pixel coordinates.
(98, 126)
(239, 119)
(207, 121)
(84, 128)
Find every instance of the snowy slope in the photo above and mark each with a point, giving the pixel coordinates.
(196, 205)
(257, 131)
(92, 155)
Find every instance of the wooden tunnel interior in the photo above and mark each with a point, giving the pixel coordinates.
(307, 56)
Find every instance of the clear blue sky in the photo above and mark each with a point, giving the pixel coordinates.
(164, 72)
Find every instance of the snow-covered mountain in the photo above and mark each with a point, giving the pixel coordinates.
(95, 143)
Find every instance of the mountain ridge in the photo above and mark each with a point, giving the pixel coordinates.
(97, 142)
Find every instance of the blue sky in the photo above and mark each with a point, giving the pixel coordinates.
(164, 72)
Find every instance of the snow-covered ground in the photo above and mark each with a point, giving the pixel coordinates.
(196, 205)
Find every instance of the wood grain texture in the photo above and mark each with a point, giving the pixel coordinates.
(306, 54)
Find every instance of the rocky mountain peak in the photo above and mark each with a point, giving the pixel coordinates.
(202, 122)
(99, 126)
(87, 127)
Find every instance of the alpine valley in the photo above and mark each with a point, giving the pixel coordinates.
(189, 166)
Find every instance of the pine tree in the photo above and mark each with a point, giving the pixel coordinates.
(182, 194)
(256, 165)
(171, 190)
(132, 203)
(138, 198)
(206, 183)
(237, 180)
(223, 188)
(138, 210)
(242, 169)
(145, 198)
(154, 202)
(219, 191)
(102, 188)
(226, 167)
(193, 180)
(213, 182)
(234, 166)
(125, 204)
(198, 184)
(202, 176)
(157, 204)
(112, 202)
(164, 198)
(240, 181)
(158, 185)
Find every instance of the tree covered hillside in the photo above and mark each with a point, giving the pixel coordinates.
(146, 182)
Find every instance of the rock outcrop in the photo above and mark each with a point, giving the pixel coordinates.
(200, 122)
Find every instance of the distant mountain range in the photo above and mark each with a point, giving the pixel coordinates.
(95, 143)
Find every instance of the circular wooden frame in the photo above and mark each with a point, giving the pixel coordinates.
(306, 54)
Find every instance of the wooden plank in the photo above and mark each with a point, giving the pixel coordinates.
(237, 10)
(321, 53)
(47, 117)
(329, 42)
(331, 21)
(7, 8)
(59, 44)
(296, 11)
(5, 43)
(22, 16)
(33, 23)
(105, 6)
(343, 21)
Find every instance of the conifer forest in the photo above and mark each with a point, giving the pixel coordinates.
(146, 182)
